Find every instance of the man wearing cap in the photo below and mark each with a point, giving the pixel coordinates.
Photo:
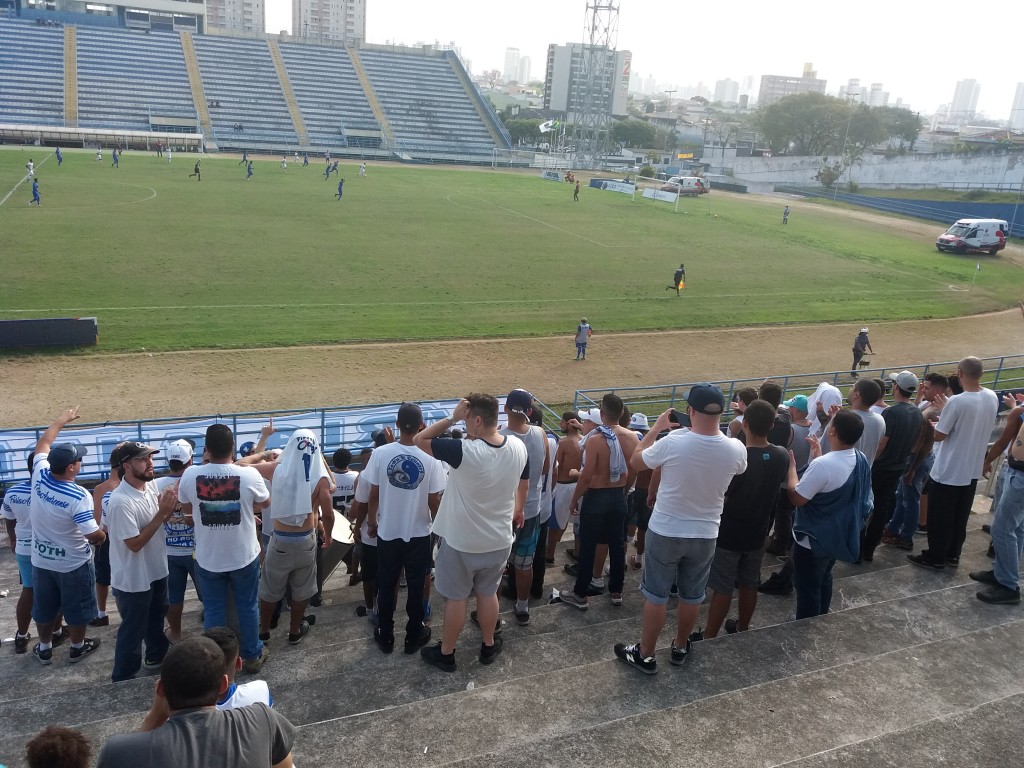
(782, 534)
(697, 466)
(518, 406)
(583, 334)
(136, 514)
(860, 345)
(568, 457)
(63, 527)
(223, 498)
(903, 423)
(404, 488)
(600, 496)
(180, 540)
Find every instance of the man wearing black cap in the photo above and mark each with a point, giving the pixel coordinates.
(697, 467)
(404, 488)
(63, 527)
(136, 514)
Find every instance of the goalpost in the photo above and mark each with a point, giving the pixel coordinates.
(668, 191)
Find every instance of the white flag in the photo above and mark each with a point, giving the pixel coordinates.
(547, 126)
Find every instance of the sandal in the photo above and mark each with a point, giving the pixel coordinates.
(636, 562)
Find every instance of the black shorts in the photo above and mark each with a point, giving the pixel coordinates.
(637, 512)
(368, 563)
(103, 563)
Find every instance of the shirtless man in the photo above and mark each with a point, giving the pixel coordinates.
(568, 457)
(602, 485)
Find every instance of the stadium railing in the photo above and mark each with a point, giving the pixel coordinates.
(1002, 374)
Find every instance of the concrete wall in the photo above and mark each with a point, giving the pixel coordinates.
(935, 170)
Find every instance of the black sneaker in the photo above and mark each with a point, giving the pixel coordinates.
(361, 611)
(21, 643)
(77, 654)
(296, 638)
(413, 644)
(680, 655)
(387, 644)
(923, 562)
(696, 637)
(100, 621)
(906, 544)
(45, 657)
(986, 528)
(488, 653)
(433, 656)
(953, 562)
(264, 637)
(570, 568)
(732, 626)
(571, 554)
(58, 638)
(523, 617)
(631, 655)
(153, 663)
(997, 594)
(776, 585)
(476, 620)
(985, 577)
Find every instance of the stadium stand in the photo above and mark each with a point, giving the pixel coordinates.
(31, 73)
(239, 79)
(131, 80)
(331, 98)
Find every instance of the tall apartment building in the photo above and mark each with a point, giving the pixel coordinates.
(236, 15)
(510, 72)
(1017, 111)
(524, 69)
(965, 101)
(727, 91)
(343, 20)
(564, 88)
(775, 87)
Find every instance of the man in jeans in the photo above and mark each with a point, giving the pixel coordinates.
(138, 559)
(180, 540)
(965, 426)
(600, 496)
(696, 469)
(222, 499)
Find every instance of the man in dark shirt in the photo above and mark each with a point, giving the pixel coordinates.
(746, 518)
(860, 345)
(903, 422)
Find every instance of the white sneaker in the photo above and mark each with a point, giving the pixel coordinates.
(597, 583)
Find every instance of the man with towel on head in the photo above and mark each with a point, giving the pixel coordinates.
(300, 505)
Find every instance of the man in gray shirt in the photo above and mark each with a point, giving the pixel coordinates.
(184, 726)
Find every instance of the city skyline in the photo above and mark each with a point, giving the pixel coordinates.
(884, 42)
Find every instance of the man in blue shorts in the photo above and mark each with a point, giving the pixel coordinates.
(248, 171)
(60, 158)
(16, 504)
(341, 184)
(35, 193)
(583, 334)
(63, 528)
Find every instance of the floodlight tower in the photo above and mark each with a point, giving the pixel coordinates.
(594, 86)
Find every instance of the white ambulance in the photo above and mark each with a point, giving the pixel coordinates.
(973, 235)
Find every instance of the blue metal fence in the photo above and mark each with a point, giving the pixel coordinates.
(1001, 374)
(943, 211)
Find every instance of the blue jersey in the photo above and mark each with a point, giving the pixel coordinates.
(340, 185)
(35, 189)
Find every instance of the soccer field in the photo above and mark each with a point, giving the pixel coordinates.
(166, 262)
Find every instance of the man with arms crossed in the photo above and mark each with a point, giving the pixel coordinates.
(484, 500)
(697, 467)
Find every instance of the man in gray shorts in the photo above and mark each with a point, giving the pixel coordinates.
(697, 466)
(484, 500)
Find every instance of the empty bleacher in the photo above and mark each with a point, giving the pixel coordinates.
(240, 81)
(31, 73)
(426, 105)
(330, 96)
(126, 79)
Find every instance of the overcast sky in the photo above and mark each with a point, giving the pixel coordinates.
(917, 51)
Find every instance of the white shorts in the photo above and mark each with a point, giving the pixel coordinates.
(560, 511)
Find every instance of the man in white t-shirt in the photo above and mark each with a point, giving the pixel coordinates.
(222, 500)
(961, 437)
(16, 506)
(482, 504)
(136, 514)
(253, 692)
(343, 496)
(696, 468)
(404, 485)
(861, 397)
(180, 540)
(63, 528)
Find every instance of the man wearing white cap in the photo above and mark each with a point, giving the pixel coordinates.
(860, 344)
(180, 540)
(903, 422)
(138, 559)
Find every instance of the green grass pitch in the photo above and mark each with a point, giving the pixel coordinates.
(166, 262)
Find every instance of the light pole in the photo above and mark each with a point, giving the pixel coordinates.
(835, 192)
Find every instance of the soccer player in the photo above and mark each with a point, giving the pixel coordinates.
(99, 154)
(284, 163)
(341, 183)
(245, 157)
(576, 193)
(115, 155)
(248, 171)
(35, 193)
(334, 168)
(305, 159)
(785, 215)
(362, 169)
(60, 158)
(678, 279)
(195, 172)
(30, 167)
(168, 155)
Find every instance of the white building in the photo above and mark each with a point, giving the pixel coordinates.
(510, 73)
(1017, 111)
(343, 20)
(727, 91)
(877, 97)
(564, 91)
(524, 70)
(965, 102)
(155, 15)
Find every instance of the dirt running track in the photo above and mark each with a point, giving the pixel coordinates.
(130, 386)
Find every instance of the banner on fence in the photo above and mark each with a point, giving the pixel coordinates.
(612, 186)
(551, 175)
(658, 194)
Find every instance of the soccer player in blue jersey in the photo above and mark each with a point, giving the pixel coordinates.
(116, 155)
(60, 158)
(341, 183)
(245, 157)
(35, 192)
(248, 171)
(305, 159)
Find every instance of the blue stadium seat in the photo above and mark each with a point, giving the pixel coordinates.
(31, 73)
